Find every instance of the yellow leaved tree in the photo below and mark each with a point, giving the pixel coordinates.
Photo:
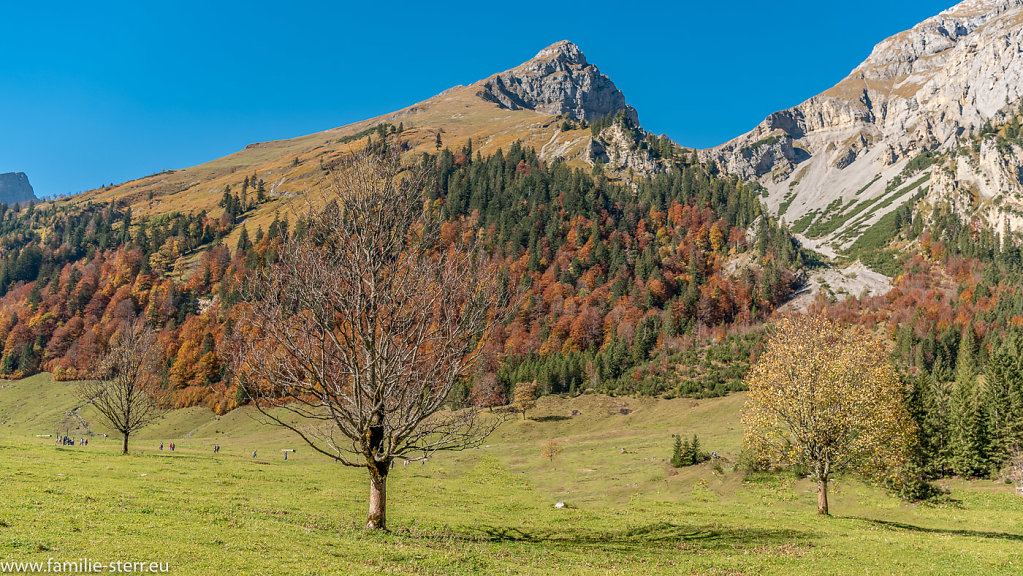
(827, 398)
(524, 397)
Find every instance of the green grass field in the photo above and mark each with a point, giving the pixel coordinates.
(483, 511)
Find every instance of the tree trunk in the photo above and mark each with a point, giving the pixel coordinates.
(124, 444)
(377, 496)
(822, 496)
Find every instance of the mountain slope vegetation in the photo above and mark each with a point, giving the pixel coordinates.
(616, 279)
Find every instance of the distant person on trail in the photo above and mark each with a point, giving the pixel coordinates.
(285, 456)
(161, 445)
(253, 453)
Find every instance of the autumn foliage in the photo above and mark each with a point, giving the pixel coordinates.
(826, 398)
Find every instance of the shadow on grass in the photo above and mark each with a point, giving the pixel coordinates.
(552, 418)
(656, 534)
(951, 532)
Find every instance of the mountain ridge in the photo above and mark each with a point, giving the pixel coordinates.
(832, 166)
(927, 90)
(546, 103)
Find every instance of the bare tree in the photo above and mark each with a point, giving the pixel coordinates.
(357, 335)
(126, 394)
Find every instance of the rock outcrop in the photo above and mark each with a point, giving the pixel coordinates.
(15, 188)
(557, 81)
(920, 98)
(617, 149)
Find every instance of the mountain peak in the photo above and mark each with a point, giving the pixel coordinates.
(557, 81)
(565, 51)
(15, 188)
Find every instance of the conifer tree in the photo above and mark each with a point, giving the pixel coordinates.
(965, 424)
(1003, 400)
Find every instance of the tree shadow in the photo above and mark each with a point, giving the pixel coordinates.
(551, 418)
(951, 532)
(657, 534)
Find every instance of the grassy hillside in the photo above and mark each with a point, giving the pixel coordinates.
(291, 168)
(483, 511)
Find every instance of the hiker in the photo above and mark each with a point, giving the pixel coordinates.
(253, 453)
(285, 455)
(161, 445)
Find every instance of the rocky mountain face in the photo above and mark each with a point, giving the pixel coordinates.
(15, 188)
(909, 122)
(557, 81)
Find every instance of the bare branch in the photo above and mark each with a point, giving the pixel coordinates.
(125, 393)
(356, 337)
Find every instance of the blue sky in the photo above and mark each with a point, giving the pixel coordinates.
(92, 93)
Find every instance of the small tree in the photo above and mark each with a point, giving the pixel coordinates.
(687, 453)
(829, 399)
(525, 397)
(125, 393)
(678, 454)
(550, 449)
(487, 392)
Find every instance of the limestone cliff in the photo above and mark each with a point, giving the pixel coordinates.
(909, 113)
(557, 81)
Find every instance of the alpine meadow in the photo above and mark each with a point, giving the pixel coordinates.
(508, 329)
